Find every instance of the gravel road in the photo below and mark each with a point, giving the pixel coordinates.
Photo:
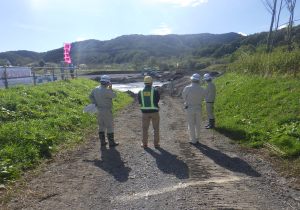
(215, 174)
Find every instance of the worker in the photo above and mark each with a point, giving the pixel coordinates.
(210, 99)
(72, 69)
(193, 95)
(148, 99)
(102, 97)
(171, 87)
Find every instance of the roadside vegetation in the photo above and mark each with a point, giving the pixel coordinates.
(36, 120)
(258, 110)
(258, 98)
(281, 61)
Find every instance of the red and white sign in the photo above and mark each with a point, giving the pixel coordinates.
(67, 50)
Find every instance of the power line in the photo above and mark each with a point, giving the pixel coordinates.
(288, 22)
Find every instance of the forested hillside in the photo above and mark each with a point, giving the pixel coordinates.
(21, 57)
(125, 49)
(194, 52)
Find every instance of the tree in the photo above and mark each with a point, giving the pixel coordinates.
(281, 6)
(291, 4)
(152, 62)
(42, 63)
(138, 60)
(3, 62)
(271, 7)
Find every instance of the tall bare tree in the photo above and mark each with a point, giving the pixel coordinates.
(271, 6)
(291, 4)
(281, 6)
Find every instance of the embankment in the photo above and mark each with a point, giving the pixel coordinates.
(36, 120)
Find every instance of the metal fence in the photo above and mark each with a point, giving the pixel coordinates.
(11, 76)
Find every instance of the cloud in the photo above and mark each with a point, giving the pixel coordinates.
(243, 34)
(79, 39)
(283, 26)
(89, 6)
(39, 4)
(163, 29)
(30, 27)
(180, 3)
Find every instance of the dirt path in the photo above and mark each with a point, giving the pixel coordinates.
(213, 175)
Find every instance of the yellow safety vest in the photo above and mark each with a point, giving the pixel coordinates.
(148, 100)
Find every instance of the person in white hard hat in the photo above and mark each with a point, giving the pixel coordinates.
(102, 97)
(193, 96)
(210, 99)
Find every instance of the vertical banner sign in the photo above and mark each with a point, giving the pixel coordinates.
(67, 56)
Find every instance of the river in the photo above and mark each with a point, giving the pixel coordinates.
(134, 87)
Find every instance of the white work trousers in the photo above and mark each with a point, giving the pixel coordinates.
(194, 122)
(210, 110)
(105, 121)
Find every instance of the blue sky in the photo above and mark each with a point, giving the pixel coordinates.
(42, 25)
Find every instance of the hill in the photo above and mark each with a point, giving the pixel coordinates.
(140, 49)
(21, 57)
(252, 41)
(124, 49)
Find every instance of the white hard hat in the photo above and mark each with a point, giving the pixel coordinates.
(105, 78)
(195, 77)
(207, 77)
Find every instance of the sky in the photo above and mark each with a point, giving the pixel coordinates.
(43, 25)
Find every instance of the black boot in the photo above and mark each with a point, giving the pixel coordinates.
(102, 138)
(207, 126)
(211, 124)
(111, 140)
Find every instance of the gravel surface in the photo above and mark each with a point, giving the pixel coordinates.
(215, 174)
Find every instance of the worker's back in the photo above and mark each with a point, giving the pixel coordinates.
(193, 95)
(102, 97)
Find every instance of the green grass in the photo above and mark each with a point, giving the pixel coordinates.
(279, 62)
(35, 120)
(256, 110)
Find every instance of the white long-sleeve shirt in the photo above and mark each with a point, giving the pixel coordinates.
(210, 92)
(102, 97)
(193, 95)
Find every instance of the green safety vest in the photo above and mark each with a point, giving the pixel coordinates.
(147, 100)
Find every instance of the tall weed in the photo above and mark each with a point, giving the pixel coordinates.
(279, 62)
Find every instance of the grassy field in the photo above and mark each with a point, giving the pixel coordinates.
(260, 111)
(35, 120)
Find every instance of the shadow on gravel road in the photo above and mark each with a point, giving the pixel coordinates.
(112, 163)
(234, 164)
(169, 164)
(234, 134)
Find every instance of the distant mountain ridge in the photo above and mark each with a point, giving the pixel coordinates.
(124, 49)
(142, 48)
